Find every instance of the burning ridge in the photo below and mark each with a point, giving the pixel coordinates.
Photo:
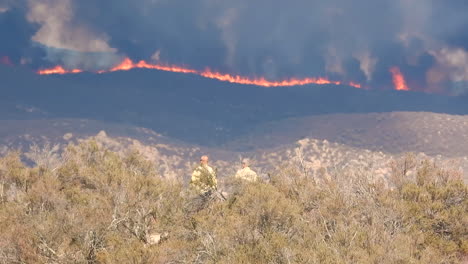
(127, 64)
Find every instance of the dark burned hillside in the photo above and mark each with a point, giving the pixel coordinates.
(92, 205)
(212, 112)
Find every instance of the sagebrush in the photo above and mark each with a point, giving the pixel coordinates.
(94, 206)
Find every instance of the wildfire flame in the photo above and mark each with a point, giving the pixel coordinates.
(57, 70)
(399, 79)
(128, 64)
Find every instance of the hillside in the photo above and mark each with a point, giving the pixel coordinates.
(396, 132)
(320, 144)
(191, 108)
(45, 136)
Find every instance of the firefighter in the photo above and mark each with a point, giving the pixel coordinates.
(246, 173)
(204, 177)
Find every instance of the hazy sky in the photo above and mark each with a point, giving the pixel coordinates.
(346, 40)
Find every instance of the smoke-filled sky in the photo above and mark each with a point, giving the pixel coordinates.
(360, 40)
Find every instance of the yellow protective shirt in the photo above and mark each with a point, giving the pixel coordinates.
(204, 179)
(247, 174)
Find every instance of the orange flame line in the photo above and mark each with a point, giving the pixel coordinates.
(128, 64)
(398, 79)
(58, 70)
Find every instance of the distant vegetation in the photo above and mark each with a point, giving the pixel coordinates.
(91, 205)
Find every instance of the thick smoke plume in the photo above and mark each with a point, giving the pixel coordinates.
(359, 41)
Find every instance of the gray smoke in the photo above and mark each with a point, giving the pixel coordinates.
(345, 40)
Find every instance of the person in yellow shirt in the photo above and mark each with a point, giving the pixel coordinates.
(246, 173)
(204, 177)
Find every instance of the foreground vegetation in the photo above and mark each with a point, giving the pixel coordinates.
(94, 206)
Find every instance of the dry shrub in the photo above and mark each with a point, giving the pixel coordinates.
(96, 206)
